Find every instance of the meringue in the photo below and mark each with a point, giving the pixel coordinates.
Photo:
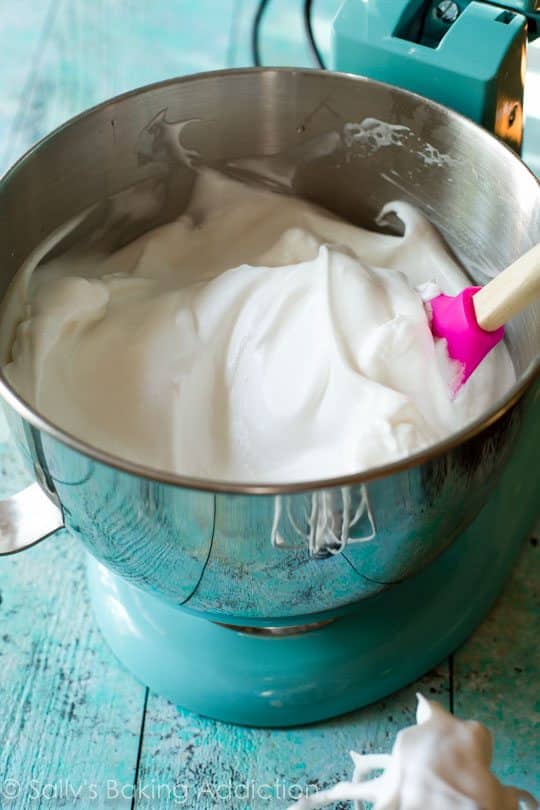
(442, 763)
(256, 338)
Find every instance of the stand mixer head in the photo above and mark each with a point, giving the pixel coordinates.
(272, 555)
(469, 55)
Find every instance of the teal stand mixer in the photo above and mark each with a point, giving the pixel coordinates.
(274, 606)
(469, 56)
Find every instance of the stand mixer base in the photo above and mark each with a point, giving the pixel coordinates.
(378, 646)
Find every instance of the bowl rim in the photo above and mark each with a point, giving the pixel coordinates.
(432, 451)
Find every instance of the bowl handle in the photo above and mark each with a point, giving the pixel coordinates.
(26, 518)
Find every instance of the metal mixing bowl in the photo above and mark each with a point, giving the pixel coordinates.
(266, 553)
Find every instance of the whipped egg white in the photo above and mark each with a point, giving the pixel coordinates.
(256, 338)
(442, 763)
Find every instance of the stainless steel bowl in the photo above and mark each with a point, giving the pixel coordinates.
(266, 553)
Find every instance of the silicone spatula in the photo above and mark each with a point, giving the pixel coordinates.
(473, 321)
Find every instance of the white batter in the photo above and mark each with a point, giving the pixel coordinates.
(442, 763)
(256, 338)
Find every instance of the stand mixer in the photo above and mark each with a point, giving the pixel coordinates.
(277, 605)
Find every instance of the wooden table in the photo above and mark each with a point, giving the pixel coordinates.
(76, 730)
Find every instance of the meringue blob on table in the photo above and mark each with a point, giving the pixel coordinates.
(441, 763)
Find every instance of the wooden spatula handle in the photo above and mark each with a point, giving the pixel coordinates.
(509, 292)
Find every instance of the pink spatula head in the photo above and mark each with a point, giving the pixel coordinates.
(454, 318)
(472, 322)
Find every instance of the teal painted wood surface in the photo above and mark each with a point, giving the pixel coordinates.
(254, 769)
(72, 720)
(496, 675)
(69, 714)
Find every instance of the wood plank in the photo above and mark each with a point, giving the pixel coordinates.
(22, 37)
(97, 50)
(208, 762)
(69, 711)
(497, 675)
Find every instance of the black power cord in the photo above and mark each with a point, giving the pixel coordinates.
(319, 61)
(256, 33)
